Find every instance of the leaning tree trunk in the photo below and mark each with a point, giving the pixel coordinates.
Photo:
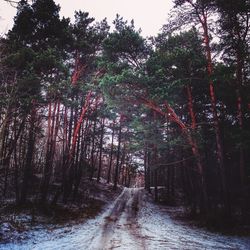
(172, 116)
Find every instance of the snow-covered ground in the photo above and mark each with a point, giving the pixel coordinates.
(131, 222)
(162, 232)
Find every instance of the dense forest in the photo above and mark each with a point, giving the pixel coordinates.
(80, 100)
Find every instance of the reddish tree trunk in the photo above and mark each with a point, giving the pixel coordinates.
(220, 154)
(190, 107)
(101, 149)
(116, 176)
(78, 70)
(78, 125)
(111, 153)
(172, 116)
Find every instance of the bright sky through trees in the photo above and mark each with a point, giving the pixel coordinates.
(148, 15)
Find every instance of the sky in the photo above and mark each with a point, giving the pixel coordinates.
(149, 15)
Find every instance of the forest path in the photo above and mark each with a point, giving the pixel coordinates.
(120, 227)
(131, 222)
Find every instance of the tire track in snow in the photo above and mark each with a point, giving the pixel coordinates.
(121, 229)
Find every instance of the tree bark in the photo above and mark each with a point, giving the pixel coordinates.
(118, 155)
(111, 153)
(29, 156)
(101, 149)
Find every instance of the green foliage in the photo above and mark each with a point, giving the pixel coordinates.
(38, 25)
(28, 87)
(234, 28)
(125, 45)
(47, 61)
(177, 61)
(87, 36)
(21, 60)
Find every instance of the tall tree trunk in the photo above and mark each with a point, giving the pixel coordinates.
(79, 122)
(146, 168)
(118, 155)
(111, 153)
(220, 153)
(172, 116)
(92, 154)
(239, 77)
(16, 176)
(82, 163)
(29, 156)
(101, 149)
(155, 171)
(53, 125)
(191, 107)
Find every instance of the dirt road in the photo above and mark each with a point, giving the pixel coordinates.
(121, 228)
(132, 222)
